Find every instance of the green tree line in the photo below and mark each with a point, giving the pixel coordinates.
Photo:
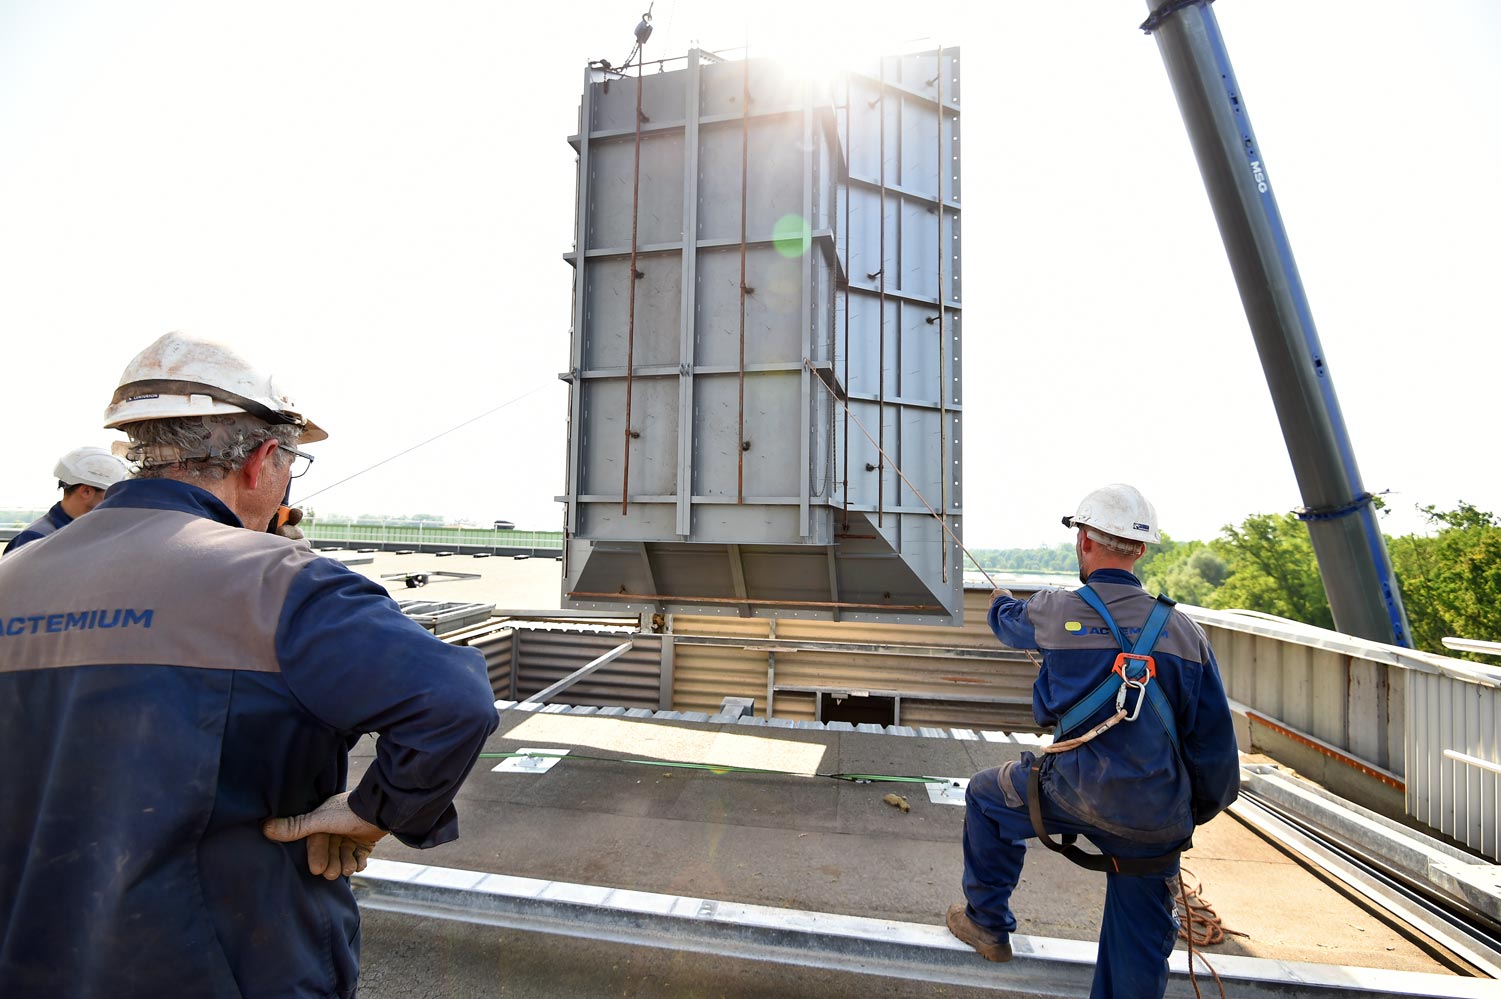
(1059, 558)
(1450, 576)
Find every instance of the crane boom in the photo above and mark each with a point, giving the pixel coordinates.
(1339, 512)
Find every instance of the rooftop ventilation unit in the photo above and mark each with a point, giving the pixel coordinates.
(765, 264)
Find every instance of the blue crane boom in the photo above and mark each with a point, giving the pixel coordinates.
(1339, 512)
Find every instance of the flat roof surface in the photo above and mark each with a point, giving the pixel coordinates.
(794, 842)
(527, 584)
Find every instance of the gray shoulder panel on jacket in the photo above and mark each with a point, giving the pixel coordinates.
(1064, 621)
(149, 587)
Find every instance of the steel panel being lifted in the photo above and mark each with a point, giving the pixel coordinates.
(717, 461)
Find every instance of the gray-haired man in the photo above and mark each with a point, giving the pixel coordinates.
(176, 820)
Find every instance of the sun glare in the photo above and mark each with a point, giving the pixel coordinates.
(680, 744)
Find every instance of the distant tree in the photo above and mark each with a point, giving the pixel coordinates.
(1188, 571)
(1272, 569)
(1158, 555)
(427, 518)
(1044, 558)
(1451, 581)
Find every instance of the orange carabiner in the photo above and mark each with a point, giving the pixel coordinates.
(1122, 658)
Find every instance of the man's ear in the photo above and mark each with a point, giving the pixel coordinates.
(257, 464)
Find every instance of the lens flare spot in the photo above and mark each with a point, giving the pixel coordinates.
(791, 236)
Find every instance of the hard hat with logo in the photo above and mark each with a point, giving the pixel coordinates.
(90, 466)
(181, 375)
(1120, 510)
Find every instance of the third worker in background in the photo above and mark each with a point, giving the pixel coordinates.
(83, 474)
(1143, 751)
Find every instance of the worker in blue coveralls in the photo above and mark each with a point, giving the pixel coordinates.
(179, 689)
(83, 474)
(1143, 751)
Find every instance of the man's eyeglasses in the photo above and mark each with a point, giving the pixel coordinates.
(301, 460)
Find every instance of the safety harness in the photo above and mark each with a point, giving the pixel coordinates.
(1134, 669)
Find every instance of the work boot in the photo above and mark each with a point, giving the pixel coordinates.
(991, 946)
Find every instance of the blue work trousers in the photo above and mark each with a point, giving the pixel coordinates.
(1140, 923)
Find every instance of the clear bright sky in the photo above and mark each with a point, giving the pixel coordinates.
(376, 197)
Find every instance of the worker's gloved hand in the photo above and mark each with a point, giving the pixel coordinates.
(998, 593)
(338, 841)
(284, 522)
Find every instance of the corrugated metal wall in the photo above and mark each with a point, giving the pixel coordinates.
(631, 681)
(936, 691)
(522, 661)
(703, 676)
(497, 647)
(1339, 696)
(974, 634)
(1454, 758)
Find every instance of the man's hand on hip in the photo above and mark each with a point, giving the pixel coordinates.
(338, 841)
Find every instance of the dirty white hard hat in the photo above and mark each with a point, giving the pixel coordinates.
(1120, 510)
(90, 466)
(181, 375)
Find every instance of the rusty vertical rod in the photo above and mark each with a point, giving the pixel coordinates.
(881, 383)
(744, 185)
(630, 334)
(943, 384)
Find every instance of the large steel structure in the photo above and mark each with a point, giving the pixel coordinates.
(765, 365)
(1341, 518)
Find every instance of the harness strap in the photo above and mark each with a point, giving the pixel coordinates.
(1096, 698)
(1110, 864)
(1136, 670)
(1150, 632)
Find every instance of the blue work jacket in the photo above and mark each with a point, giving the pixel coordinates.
(1130, 781)
(44, 525)
(169, 680)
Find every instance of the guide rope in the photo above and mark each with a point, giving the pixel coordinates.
(886, 459)
(398, 454)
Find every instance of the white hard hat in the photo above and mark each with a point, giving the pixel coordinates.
(90, 466)
(180, 375)
(1120, 510)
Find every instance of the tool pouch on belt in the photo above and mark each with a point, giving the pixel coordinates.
(1007, 775)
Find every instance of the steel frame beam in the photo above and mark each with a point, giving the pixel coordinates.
(546, 694)
(897, 696)
(856, 648)
(1266, 822)
(668, 500)
(689, 309)
(580, 300)
(805, 384)
(1042, 966)
(737, 577)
